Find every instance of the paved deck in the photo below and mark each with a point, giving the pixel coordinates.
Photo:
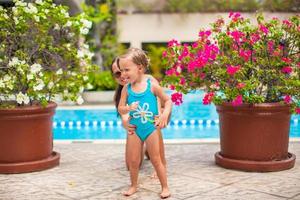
(97, 171)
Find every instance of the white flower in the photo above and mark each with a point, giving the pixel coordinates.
(86, 23)
(16, 20)
(36, 18)
(80, 53)
(64, 12)
(6, 78)
(35, 68)
(59, 72)
(79, 100)
(56, 27)
(46, 11)
(39, 2)
(69, 23)
(14, 61)
(143, 113)
(31, 9)
(22, 98)
(50, 84)
(178, 69)
(5, 16)
(85, 78)
(40, 85)
(71, 34)
(84, 31)
(29, 76)
(2, 83)
(81, 88)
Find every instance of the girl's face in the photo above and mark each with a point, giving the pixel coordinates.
(130, 70)
(117, 74)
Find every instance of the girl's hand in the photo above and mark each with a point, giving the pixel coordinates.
(133, 106)
(162, 121)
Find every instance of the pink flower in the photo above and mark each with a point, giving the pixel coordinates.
(287, 23)
(271, 46)
(286, 60)
(172, 43)
(172, 87)
(164, 54)
(207, 99)
(235, 16)
(297, 110)
(287, 99)
(237, 35)
(182, 81)
(204, 34)
(287, 70)
(240, 85)
(176, 98)
(254, 38)
(231, 70)
(245, 54)
(238, 100)
(184, 53)
(263, 29)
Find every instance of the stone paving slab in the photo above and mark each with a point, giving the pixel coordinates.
(97, 171)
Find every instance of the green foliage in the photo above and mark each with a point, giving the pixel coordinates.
(41, 54)
(155, 53)
(99, 81)
(188, 6)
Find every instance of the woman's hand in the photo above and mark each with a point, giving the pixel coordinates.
(129, 127)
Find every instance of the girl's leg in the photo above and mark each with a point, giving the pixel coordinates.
(161, 152)
(126, 155)
(152, 143)
(134, 149)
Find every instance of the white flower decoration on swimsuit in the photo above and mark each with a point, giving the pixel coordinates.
(143, 113)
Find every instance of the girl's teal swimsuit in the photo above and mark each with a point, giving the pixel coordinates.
(143, 116)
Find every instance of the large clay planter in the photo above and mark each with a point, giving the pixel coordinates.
(255, 137)
(26, 141)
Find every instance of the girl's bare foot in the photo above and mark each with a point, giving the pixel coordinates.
(130, 191)
(165, 193)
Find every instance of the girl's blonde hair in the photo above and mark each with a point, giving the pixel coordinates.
(138, 57)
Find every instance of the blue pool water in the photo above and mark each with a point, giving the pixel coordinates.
(191, 120)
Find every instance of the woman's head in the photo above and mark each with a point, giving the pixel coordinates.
(133, 63)
(116, 72)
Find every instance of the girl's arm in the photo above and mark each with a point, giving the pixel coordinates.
(123, 107)
(163, 118)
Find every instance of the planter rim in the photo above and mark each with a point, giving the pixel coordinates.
(277, 105)
(32, 109)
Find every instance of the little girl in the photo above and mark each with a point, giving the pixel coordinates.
(139, 99)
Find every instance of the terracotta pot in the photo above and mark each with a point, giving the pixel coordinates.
(26, 139)
(255, 137)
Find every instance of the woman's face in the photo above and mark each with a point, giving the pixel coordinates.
(117, 74)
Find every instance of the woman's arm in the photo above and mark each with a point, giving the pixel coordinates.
(154, 81)
(163, 118)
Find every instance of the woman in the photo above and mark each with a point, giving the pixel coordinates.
(115, 69)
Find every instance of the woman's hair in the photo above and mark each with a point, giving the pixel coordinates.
(118, 91)
(138, 57)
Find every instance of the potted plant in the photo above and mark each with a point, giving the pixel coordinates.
(42, 56)
(100, 88)
(251, 72)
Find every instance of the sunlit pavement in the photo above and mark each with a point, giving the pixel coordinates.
(97, 171)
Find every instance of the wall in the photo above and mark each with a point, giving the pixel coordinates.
(138, 28)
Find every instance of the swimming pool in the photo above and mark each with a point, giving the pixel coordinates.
(191, 120)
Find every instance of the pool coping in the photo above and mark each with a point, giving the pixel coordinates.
(166, 141)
